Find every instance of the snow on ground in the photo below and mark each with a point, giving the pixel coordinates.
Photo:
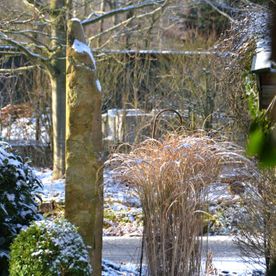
(114, 190)
(121, 203)
(112, 269)
(52, 189)
(237, 266)
(223, 267)
(123, 212)
(24, 129)
(226, 267)
(122, 208)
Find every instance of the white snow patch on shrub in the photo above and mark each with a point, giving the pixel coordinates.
(70, 245)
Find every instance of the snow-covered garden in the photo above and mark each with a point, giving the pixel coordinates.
(123, 216)
(137, 138)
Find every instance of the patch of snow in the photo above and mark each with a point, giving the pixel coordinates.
(119, 192)
(119, 207)
(112, 112)
(14, 162)
(112, 269)
(226, 266)
(4, 253)
(98, 85)
(24, 129)
(52, 189)
(75, 19)
(218, 191)
(83, 48)
(236, 266)
(10, 197)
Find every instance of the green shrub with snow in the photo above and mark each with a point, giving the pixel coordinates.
(49, 248)
(18, 206)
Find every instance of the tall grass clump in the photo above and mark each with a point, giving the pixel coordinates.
(170, 177)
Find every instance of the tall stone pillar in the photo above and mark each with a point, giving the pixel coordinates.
(83, 190)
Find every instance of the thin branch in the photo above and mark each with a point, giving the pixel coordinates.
(89, 20)
(33, 56)
(44, 48)
(13, 53)
(219, 11)
(18, 20)
(23, 48)
(19, 69)
(26, 31)
(37, 5)
(127, 21)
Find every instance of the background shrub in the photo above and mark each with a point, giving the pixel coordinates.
(18, 206)
(49, 248)
(257, 232)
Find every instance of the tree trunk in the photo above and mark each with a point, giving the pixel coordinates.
(58, 122)
(101, 29)
(83, 190)
(58, 27)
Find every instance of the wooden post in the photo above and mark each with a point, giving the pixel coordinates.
(83, 190)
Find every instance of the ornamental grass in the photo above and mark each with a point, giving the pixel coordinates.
(170, 177)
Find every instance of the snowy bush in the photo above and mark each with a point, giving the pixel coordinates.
(49, 248)
(18, 206)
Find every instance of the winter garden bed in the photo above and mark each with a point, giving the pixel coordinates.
(123, 213)
(122, 202)
(122, 207)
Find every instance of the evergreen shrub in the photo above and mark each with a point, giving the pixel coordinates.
(19, 189)
(49, 248)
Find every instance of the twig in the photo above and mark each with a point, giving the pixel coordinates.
(89, 20)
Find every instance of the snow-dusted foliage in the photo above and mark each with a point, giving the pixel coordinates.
(49, 248)
(18, 206)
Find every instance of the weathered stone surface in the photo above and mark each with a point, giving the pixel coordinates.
(83, 190)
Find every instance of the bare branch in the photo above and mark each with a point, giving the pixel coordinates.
(127, 21)
(19, 69)
(37, 5)
(43, 47)
(90, 20)
(26, 31)
(18, 20)
(219, 10)
(21, 47)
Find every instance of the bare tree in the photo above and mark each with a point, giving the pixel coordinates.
(39, 30)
